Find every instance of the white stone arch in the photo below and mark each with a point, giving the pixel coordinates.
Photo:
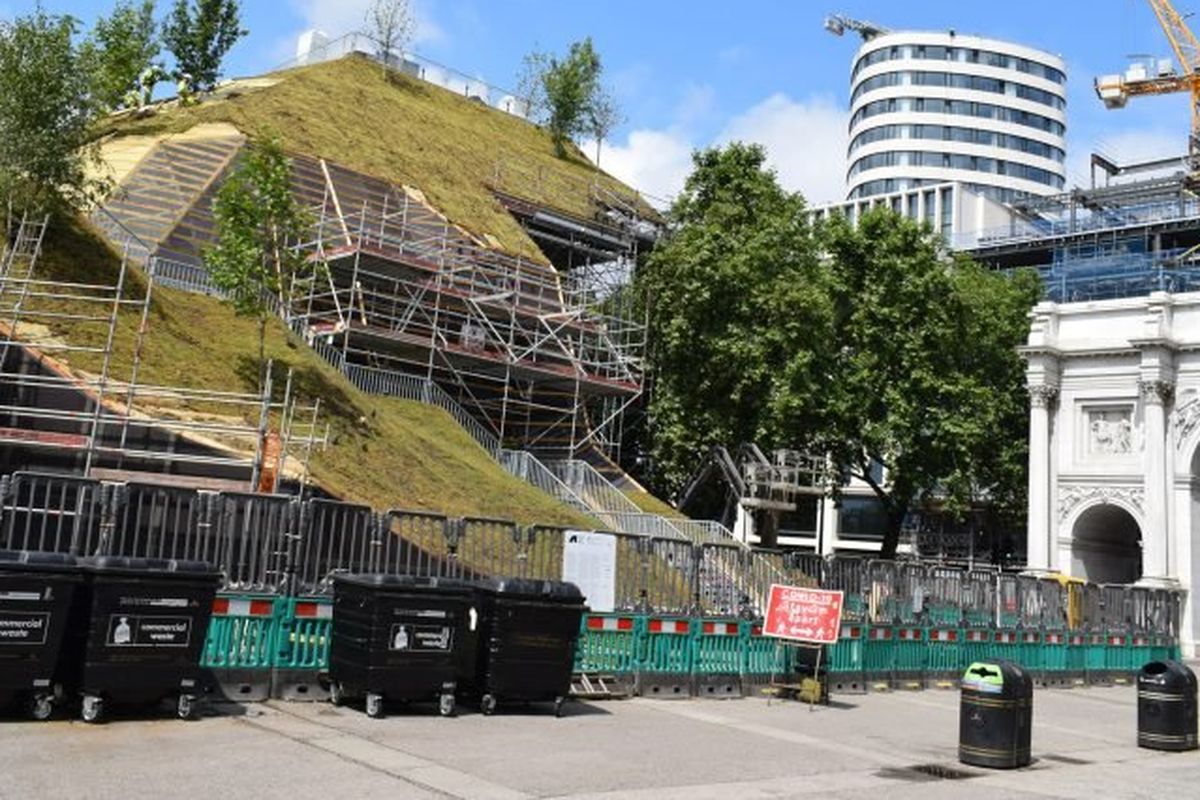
(1115, 558)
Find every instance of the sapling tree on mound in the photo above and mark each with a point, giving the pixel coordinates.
(119, 50)
(46, 111)
(566, 95)
(258, 225)
(870, 345)
(390, 25)
(199, 34)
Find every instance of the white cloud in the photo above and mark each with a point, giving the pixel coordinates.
(654, 162)
(805, 143)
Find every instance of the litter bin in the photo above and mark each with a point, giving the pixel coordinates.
(525, 642)
(397, 637)
(142, 629)
(1166, 706)
(996, 715)
(36, 592)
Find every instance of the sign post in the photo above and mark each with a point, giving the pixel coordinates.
(803, 615)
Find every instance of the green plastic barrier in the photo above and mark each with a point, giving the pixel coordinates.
(304, 634)
(911, 653)
(943, 658)
(976, 645)
(1118, 656)
(846, 657)
(609, 643)
(1005, 644)
(1095, 658)
(1054, 654)
(1141, 650)
(764, 656)
(667, 646)
(717, 647)
(242, 633)
(879, 652)
(1077, 656)
(1030, 653)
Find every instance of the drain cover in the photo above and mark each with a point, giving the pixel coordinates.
(923, 773)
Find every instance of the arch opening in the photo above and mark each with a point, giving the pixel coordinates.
(1106, 545)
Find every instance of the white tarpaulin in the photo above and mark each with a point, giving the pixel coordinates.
(590, 562)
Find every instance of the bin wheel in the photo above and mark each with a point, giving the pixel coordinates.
(41, 707)
(487, 704)
(446, 705)
(337, 695)
(559, 703)
(374, 705)
(93, 708)
(185, 708)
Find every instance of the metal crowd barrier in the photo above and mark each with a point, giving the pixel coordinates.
(685, 613)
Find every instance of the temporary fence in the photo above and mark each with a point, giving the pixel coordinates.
(684, 616)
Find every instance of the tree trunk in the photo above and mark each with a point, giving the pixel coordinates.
(262, 351)
(891, 537)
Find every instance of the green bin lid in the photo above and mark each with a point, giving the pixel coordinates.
(984, 677)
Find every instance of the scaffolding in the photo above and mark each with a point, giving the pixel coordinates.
(543, 361)
(59, 397)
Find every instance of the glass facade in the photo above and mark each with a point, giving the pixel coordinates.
(963, 108)
(920, 158)
(954, 80)
(962, 55)
(954, 133)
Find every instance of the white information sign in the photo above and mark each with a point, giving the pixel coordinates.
(590, 562)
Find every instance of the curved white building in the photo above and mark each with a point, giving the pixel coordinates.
(931, 108)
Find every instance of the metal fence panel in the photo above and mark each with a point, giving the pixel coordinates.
(671, 568)
(258, 538)
(415, 543)
(721, 581)
(334, 537)
(54, 513)
(162, 522)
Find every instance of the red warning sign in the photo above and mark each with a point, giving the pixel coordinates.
(803, 615)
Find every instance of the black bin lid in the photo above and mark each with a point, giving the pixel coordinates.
(557, 591)
(147, 567)
(1167, 674)
(388, 582)
(35, 559)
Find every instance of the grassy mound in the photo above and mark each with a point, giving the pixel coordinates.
(407, 131)
(385, 452)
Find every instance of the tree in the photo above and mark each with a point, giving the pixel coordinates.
(258, 223)
(925, 378)
(46, 110)
(119, 50)
(564, 93)
(737, 306)
(390, 25)
(200, 36)
(604, 117)
(869, 345)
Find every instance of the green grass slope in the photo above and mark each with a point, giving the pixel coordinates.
(385, 452)
(406, 131)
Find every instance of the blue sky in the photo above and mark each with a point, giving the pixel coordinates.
(689, 73)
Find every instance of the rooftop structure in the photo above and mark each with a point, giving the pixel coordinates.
(930, 107)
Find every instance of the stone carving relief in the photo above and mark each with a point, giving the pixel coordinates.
(1187, 419)
(1071, 497)
(1110, 431)
(1043, 396)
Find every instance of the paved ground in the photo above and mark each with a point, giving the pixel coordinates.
(860, 747)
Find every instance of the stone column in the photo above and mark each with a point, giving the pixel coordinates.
(1042, 399)
(1156, 396)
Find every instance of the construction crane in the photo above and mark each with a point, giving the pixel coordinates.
(838, 25)
(1150, 76)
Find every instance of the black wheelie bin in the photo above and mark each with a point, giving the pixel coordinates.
(141, 632)
(397, 637)
(36, 593)
(525, 642)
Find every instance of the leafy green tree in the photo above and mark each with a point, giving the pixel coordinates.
(46, 110)
(120, 48)
(258, 223)
(199, 33)
(925, 378)
(871, 345)
(738, 309)
(567, 95)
